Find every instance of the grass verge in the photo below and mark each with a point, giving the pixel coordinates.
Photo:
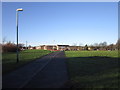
(9, 59)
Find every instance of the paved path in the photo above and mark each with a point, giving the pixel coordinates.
(47, 72)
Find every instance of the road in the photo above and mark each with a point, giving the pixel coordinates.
(47, 72)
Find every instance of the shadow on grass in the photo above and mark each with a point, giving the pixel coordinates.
(93, 72)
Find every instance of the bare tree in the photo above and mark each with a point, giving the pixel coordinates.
(95, 44)
(74, 44)
(80, 44)
(20, 45)
(3, 40)
(9, 47)
(104, 43)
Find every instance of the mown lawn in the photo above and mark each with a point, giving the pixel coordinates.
(9, 59)
(93, 69)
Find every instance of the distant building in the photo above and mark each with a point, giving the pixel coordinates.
(62, 47)
(50, 47)
(59, 47)
(40, 47)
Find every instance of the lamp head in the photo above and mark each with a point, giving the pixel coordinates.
(19, 9)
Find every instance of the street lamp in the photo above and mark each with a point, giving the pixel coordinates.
(20, 9)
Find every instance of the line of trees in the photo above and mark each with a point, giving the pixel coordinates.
(12, 47)
(104, 46)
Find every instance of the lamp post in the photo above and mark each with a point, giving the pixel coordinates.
(20, 9)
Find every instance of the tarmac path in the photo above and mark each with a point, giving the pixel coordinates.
(47, 72)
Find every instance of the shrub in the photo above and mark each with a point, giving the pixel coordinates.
(9, 47)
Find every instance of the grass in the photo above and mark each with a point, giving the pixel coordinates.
(93, 69)
(9, 59)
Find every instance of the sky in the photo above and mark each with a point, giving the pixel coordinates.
(68, 23)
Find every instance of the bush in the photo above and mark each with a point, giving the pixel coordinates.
(9, 47)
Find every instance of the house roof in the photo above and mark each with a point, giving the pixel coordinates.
(62, 45)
